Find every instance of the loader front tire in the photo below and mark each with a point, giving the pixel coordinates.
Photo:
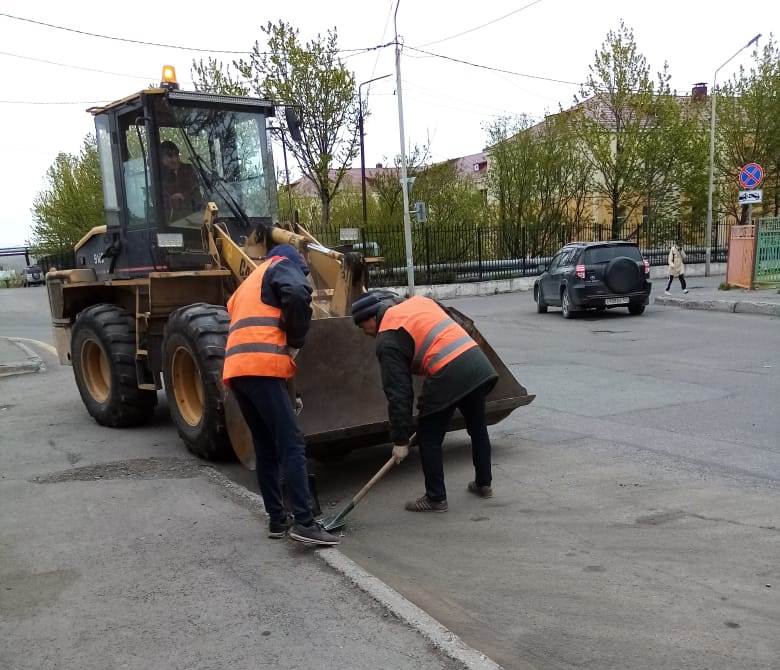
(103, 357)
(193, 354)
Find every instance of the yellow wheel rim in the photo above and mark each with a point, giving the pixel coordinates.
(187, 386)
(96, 370)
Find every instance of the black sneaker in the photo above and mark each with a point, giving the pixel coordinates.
(425, 504)
(314, 534)
(278, 529)
(481, 491)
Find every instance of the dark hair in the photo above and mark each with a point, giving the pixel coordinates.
(168, 147)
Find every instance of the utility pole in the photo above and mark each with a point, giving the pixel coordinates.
(404, 178)
(710, 185)
(362, 147)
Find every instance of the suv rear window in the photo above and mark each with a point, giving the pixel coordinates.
(596, 255)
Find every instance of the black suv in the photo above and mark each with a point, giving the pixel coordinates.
(596, 275)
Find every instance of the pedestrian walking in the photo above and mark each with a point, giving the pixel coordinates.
(676, 268)
(270, 313)
(418, 337)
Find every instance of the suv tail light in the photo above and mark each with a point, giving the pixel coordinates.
(580, 271)
(647, 266)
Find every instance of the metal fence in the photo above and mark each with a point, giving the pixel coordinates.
(468, 253)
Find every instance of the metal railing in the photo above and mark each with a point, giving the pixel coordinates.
(468, 253)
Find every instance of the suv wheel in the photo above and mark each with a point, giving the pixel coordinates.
(541, 305)
(636, 309)
(566, 310)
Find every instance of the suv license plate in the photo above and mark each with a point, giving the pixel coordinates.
(616, 301)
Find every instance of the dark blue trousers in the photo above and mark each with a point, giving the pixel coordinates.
(279, 445)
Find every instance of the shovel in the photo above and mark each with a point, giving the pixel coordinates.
(337, 522)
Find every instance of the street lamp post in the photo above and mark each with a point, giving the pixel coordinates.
(708, 231)
(362, 148)
(404, 176)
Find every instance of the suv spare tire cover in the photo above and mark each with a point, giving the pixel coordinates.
(622, 275)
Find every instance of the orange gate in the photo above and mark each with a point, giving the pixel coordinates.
(742, 249)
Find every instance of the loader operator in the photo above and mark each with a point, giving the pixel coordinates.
(181, 194)
(417, 337)
(270, 315)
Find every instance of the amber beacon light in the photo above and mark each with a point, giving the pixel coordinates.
(169, 77)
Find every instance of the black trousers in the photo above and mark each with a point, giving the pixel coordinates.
(671, 279)
(431, 430)
(279, 445)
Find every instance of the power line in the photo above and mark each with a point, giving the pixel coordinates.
(379, 53)
(119, 39)
(145, 42)
(496, 69)
(75, 67)
(483, 25)
(437, 95)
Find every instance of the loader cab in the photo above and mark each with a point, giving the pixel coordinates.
(164, 154)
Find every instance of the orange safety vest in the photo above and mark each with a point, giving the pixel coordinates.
(437, 338)
(256, 344)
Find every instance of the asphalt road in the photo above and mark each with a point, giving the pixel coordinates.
(636, 517)
(117, 550)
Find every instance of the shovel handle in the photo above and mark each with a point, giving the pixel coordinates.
(382, 472)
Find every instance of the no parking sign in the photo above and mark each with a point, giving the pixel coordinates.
(751, 176)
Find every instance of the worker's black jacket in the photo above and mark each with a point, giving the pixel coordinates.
(395, 351)
(285, 286)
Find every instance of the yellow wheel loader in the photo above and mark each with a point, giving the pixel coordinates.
(190, 210)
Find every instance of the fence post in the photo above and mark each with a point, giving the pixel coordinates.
(717, 250)
(479, 251)
(365, 250)
(524, 248)
(428, 254)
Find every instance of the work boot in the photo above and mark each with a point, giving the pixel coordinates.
(481, 491)
(313, 534)
(278, 529)
(425, 504)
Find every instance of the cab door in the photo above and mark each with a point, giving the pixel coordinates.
(140, 215)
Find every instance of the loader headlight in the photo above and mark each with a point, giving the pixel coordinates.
(170, 240)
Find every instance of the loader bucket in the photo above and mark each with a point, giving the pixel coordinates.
(344, 407)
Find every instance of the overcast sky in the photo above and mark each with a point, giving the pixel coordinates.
(445, 102)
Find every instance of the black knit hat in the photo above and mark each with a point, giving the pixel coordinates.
(369, 304)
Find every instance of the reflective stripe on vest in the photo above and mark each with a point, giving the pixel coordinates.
(256, 344)
(437, 338)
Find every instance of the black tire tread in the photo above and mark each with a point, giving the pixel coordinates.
(127, 404)
(541, 305)
(205, 328)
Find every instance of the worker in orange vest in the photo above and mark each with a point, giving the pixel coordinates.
(417, 337)
(270, 313)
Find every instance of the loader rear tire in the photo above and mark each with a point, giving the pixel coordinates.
(193, 354)
(103, 357)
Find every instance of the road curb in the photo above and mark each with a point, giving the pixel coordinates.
(32, 363)
(733, 306)
(441, 637)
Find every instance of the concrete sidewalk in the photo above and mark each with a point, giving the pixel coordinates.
(704, 294)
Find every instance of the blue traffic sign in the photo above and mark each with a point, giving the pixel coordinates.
(751, 176)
